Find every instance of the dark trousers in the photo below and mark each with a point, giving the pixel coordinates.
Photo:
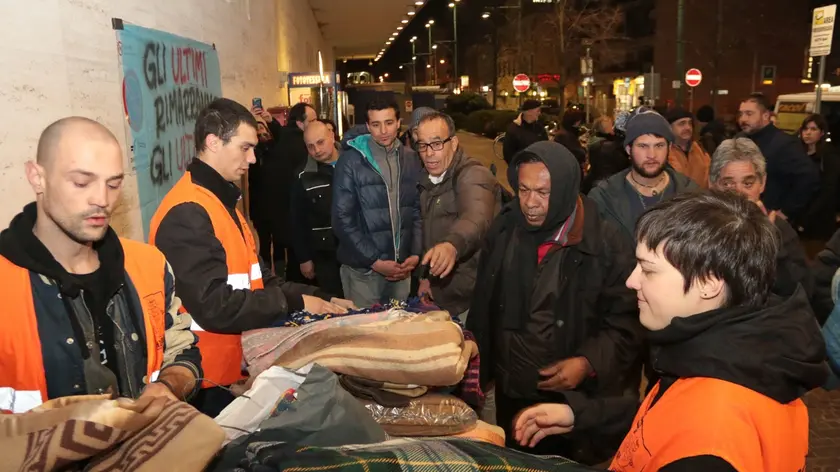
(211, 401)
(275, 249)
(328, 273)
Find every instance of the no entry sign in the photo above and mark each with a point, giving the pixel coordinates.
(521, 83)
(693, 77)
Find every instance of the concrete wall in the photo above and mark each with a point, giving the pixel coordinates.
(60, 58)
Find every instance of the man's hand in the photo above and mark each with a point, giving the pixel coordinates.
(770, 214)
(533, 424)
(410, 264)
(308, 270)
(262, 113)
(565, 375)
(388, 269)
(425, 289)
(157, 389)
(441, 259)
(316, 306)
(348, 304)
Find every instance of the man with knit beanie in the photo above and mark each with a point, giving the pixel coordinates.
(525, 130)
(625, 196)
(686, 155)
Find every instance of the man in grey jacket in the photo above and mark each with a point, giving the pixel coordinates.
(625, 196)
(459, 198)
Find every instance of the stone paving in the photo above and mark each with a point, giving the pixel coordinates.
(824, 407)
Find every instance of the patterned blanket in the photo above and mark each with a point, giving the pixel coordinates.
(94, 433)
(395, 346)
(398, 455)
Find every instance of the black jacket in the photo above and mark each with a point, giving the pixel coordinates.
(186, 237)
(607, 157)
(64, 311)
(777, 351)
(520, 135)
(277, 162)
(311, 211)
(581, 307)
(711, 135)
(818, 220)
(792, 179)
(792, 266)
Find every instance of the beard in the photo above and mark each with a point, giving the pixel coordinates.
(75, 229)
(646, 173)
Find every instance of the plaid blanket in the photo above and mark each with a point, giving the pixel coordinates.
(398, 455)
(403, 348)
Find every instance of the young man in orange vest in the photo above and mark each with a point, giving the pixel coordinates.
(84, 311)
(735, 360)
(209, 243)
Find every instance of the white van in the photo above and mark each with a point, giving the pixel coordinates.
(792, 109)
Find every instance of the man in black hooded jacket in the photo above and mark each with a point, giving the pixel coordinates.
(558, 316)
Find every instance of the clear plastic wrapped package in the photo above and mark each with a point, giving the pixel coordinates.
(433, 414)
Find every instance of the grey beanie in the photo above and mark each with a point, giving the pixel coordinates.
(417, 116)
(647, 123)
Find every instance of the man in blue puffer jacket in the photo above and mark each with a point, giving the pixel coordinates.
(376, 210)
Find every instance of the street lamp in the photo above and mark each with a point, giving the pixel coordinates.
(454, 6)
(485, 15)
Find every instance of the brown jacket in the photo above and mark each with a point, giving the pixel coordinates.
(695, 166)
(458, 210)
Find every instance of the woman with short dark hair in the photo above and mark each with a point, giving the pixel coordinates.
(734, 360)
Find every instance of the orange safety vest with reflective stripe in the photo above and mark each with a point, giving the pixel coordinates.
(221, 354)
(23, 382)
(704, 416)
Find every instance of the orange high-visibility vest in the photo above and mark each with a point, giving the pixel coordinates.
(23, 382)
(704, 416)
(221, 354)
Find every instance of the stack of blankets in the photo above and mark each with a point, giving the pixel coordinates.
(404, 366)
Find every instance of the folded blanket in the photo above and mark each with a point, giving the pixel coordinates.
(149, 434)
(383, 393)
(469, 389)
(261, 347)
(397, 455)
(419, 349)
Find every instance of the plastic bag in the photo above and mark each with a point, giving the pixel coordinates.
(433, 414)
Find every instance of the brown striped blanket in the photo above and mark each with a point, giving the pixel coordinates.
(397, 347)
(94, 433)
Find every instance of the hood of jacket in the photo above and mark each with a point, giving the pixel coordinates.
(776, 350)
(353, 133)
(22, 248)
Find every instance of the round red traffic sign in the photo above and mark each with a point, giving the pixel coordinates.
(693, 77)
(521, 83)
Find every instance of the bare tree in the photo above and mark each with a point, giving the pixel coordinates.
(578, 24)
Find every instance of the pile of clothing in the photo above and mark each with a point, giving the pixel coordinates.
(407, 365)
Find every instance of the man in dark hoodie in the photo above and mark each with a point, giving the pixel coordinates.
(625, 196)
(277, 160)
(376, 210)
(792, 179)
(735, 360)
(86, 312)
(550, 311)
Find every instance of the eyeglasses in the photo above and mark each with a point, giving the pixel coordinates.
(435, 145)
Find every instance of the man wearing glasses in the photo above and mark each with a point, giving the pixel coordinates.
(459, 198)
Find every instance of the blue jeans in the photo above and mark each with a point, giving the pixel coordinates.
(368, 288)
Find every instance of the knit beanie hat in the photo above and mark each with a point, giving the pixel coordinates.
(530, 105)
(648, 123)
(677, 114)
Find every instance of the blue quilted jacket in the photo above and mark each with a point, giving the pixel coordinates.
(361, 215)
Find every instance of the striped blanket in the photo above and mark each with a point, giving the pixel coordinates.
(394, 346)
(398, 455)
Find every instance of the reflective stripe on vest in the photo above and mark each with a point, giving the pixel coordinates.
(750, 431)
(23, 383)
(221, 354)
